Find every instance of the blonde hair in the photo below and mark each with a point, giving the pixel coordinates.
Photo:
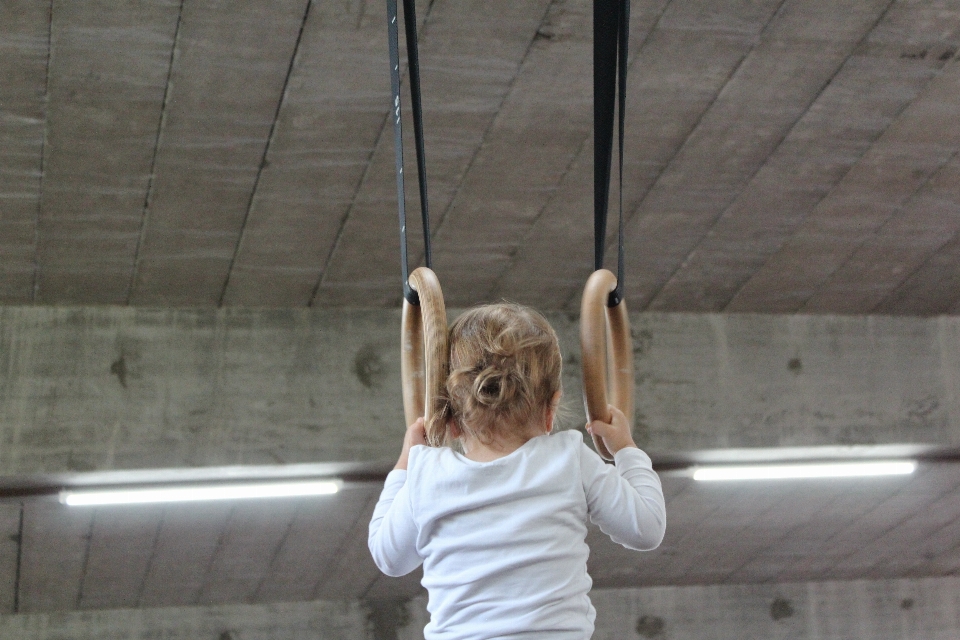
(504, 372)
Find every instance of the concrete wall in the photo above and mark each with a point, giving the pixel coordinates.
(306, 621)
(927, 609)
(124, 388)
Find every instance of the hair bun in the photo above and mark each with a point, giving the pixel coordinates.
(496, 386)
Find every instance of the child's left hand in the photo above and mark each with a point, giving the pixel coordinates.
(616, 434)
(416, 434)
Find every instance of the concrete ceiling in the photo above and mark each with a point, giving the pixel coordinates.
(781, 155)
(57, 558)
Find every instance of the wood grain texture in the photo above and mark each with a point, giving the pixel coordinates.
(933, 289)
(161, 158)
(924, 138)
(314, 543)
(525, 156)
(329, 123)
(351, 572)
(927, 222)
(425, 355)
(674, 77)
(772, 88)
(606, 354)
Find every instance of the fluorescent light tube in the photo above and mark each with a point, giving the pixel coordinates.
(198, 492)
(806, 470)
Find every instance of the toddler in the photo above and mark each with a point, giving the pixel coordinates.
(500, 527)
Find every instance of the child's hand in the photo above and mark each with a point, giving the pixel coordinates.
(416, 434)
(616, 434)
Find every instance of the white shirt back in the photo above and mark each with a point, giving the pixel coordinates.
(502, 542)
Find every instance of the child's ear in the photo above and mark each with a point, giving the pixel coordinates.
(555, 400)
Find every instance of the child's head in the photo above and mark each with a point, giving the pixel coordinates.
(504, 373)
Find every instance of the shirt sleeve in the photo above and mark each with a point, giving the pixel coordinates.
(392, 537)
(625, 501)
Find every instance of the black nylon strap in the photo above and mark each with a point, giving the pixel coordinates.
(410, 26)
(611, 28)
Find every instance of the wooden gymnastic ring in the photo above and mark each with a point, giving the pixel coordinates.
(606, 353)
(424, 354)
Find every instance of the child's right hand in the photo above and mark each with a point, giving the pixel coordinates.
(416, 434)
(616, 434)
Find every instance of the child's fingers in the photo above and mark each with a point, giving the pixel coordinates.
(618, 418)
(616, 433)
(599, 428)
(417, 433)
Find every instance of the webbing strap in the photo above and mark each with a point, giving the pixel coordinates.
(410, 26)
(611, 27)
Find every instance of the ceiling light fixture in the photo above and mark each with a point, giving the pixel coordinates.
(806, 470)
(198, 492)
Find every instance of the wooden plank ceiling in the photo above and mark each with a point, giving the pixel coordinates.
(781, 155)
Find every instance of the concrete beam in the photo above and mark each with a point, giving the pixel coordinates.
(855, 610)
(97, 388)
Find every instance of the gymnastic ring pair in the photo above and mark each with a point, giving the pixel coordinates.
(605, 347)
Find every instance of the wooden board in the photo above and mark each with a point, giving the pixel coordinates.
(927, 222)
(333, 114)
(11, 515)
(769, 92)
(351, 571)
(525, 156)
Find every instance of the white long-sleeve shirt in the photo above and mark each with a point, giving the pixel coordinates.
(502, 542)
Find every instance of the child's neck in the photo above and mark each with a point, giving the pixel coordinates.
(479, 451)
(512, 440)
